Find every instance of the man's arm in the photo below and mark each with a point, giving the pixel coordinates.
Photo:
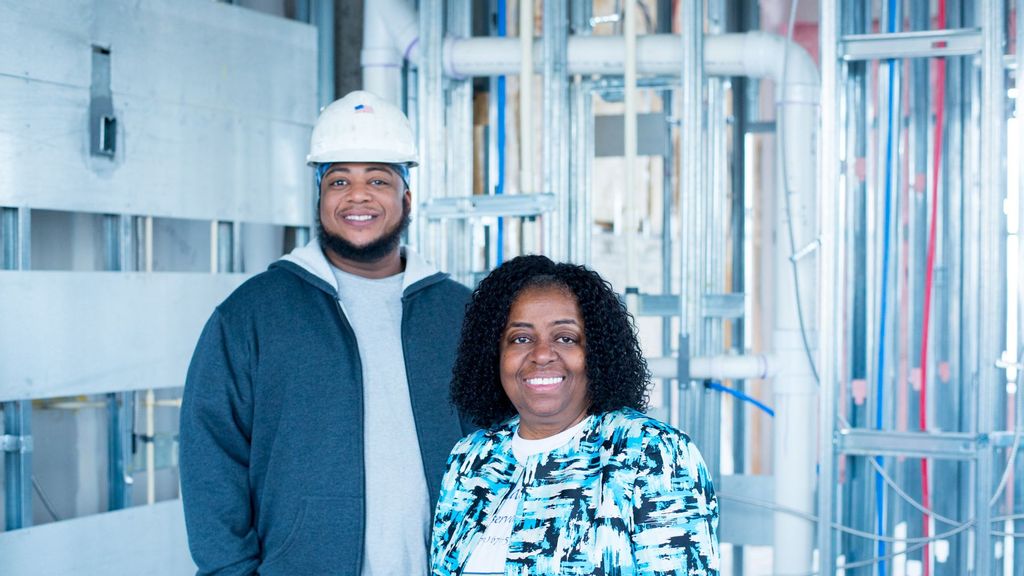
(675, 510)
(216, 429)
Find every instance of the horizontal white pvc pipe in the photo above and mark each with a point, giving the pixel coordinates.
(752, 54)
(492, 56)
(724, 367)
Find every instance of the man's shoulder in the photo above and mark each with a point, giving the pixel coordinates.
(275, 285)
(455, 288)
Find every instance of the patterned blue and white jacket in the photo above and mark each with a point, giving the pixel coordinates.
(628, 495)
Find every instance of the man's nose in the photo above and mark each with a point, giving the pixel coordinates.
(358, 192)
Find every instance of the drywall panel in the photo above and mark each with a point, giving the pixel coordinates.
(213, 106)
(172, 160)
(142, 541)
(46, 41)
(71, 333)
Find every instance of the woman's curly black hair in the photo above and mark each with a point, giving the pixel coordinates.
(616, 370)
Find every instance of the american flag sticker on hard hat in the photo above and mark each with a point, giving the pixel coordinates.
(364, 109)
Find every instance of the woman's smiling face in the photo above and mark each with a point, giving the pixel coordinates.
(543, 361)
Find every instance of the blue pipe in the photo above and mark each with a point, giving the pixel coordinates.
(893, 26)
(500, 188)
(721, 388)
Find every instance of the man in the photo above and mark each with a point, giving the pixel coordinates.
(315, 423)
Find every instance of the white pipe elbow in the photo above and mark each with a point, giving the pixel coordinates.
(762, 55)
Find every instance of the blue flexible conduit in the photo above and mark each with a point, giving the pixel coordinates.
(892, 126)
(500, 188)
(750, 399)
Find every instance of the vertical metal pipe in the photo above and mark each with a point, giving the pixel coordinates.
(234, 230)
(149, 396)
(117, 487)
(118, 432)
(111, 242)
(301, 236)
(914, 231)
(857, 18)
(17, 235)
(691, 33)
(582, 130)
(227, 246)
(8, 238)
(324, 20)
(581, 124)
(430, 119)
(18, 465)
(712, 227)
(586, 209)
(214, 245)
(526, 97)
(950, 284)
(1019, 112)
(555, 104)
(883, 378)
(832, 218)
(667, 209)
(742, 16)
(629, 189)
(992, 283)
(495, 83)
(129, 243)
(460, 150)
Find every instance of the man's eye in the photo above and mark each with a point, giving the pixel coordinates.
(339, 182)
(380, 182)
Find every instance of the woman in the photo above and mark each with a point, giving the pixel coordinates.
(567, 476)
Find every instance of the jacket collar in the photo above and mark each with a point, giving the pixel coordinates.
(311, 260)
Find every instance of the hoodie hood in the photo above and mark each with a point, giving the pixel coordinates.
(313, 266)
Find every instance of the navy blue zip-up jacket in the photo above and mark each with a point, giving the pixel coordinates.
(271, 440)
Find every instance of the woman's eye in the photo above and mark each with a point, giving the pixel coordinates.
(566, 339)
(519, 340)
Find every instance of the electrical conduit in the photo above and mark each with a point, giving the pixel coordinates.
(502, 31)
(891, 134)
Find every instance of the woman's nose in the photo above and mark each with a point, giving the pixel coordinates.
(543, 353)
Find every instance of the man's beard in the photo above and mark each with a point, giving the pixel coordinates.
(371, 252)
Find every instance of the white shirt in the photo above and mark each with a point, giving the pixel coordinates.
(397, 499)
(488, 557)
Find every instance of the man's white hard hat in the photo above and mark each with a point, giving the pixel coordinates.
(362, 127)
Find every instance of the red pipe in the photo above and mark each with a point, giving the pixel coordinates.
(940, 107)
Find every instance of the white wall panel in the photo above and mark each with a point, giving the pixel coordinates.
(214, 105)
(172, 160)
(46, 41)
(69, 333)
(142, 541)
(210, 54)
